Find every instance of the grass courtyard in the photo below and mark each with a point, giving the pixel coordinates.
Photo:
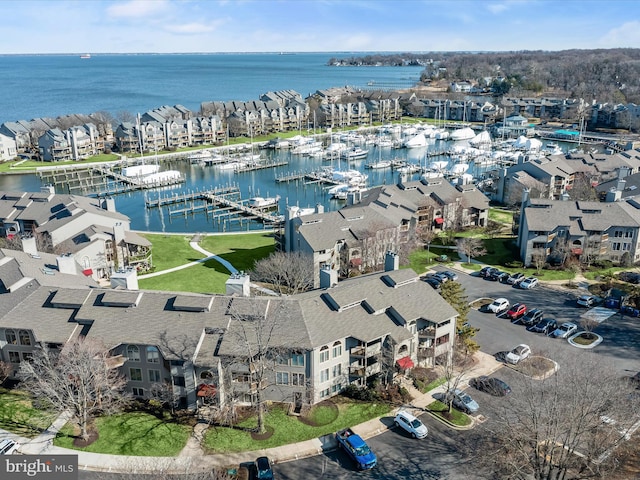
(241, 250)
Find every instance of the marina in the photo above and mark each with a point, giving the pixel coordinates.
(223, 188)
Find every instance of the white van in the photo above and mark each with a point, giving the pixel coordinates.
(8, 446)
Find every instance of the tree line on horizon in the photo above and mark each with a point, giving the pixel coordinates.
(603, 75)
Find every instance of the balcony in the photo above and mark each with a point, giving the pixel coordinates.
(358, 371)
(359, 351)
(428, 333)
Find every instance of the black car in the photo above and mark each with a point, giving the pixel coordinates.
(450, 275)
(490, 385)
(442, 277)
(263, 469)
(486, 272)
(630, 277)
(495, 275)
(532, 317)
(546, 326)
(434, 281)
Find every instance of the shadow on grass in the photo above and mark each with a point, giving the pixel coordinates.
(17, 415)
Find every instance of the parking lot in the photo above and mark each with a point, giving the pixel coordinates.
(497, 334)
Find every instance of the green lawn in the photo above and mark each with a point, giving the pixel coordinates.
(138, 434)
(420, 259)
(17, 414)
(501, 216)
(240, 250)
(31, 165)
(288, 429)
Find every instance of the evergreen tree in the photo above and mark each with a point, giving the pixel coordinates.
(456, 296)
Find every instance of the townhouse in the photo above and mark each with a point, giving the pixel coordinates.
(554, 230)
(207, 349)
(91, 230)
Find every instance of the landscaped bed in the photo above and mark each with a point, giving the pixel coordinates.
(290, 429)
(454, 416)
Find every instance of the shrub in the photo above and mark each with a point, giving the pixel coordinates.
(363, 394)
(514, 264)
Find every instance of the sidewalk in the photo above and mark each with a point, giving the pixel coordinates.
(191, 458)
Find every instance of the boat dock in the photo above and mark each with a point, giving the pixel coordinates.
(221, 203)
(310, 177)
(100, 180)
(260, 166)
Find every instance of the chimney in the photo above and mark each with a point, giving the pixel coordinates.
(109, 204)
(328, 277)
(402, 179)
(238, 285)
(29, 245)
(354, 197)
(391, 261)
(67, 264)
(127, 279)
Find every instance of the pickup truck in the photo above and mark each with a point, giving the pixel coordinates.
(356, 448)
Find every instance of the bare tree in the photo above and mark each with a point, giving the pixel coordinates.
(259, 332)
(539, 259)
(588, 324)
(81, 378)
(289, 272)
(165, 395)
(472, 247)
(493, 228)
(582, 188)
(566, 426)
(6, 369)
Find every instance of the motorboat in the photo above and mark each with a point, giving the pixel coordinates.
(417, 141)
(233, 165)
(409, 168)
(355, 153)
(465, 133)
(380, 164)
(264, 202)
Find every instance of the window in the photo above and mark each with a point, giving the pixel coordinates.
(297, 379)
(135, 374)
(240, 378)
(337, 350)
(282, 378)
(297, 360)
(206, 375)
(133, 353)
(628, 234)
(14, 357)
(324, 375)
(324, 354)
(153, 355)
(615, 246)
(336, 388)
(11, 337)
(178, 381)
(138, 392)
(154, 376)
(282, 360)
(324, 393)
(337, 370)
(442, 340)
(617, 234)
(27, 356)
(626, 247)
(25, 338)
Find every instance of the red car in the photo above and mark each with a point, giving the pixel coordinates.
(516, 311)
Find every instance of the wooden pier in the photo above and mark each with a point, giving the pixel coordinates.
(260, 166)
(218, 203)
(310, 177)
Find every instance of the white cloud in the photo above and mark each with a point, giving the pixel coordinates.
(136, 8)
(193, 28)
(497, 7)
(626, 35)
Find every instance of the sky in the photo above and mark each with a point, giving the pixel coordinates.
(184, 26)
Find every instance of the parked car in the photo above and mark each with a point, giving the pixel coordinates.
(450, 275)
(516, 311)
(515, 278)
(463, 401)
(441, 276)
(528, 283)
(546, 326)
(532, 317)
(496, 275)
(631, 277)
(487, 271)
(263, 469)
(433, 281)
(411, 424)
(564, 330)
(518, 354)
(492, 386)
(8, 446)
(499, 305)
(587, 301)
